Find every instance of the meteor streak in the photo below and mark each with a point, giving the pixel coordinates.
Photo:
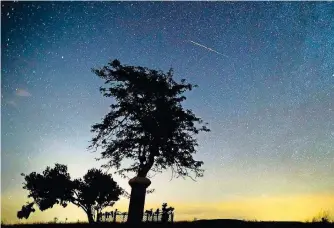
(207, 48)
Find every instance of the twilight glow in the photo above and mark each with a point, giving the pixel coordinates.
(265, 72)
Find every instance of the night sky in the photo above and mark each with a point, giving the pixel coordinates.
(265, 72)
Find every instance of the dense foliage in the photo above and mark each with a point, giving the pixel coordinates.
(94, 192)
(147, 123)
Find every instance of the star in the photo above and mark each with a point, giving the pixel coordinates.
(269, 104)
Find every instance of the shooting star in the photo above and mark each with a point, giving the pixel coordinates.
(207, 48)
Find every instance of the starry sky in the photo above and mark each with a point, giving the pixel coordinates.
(265, 72)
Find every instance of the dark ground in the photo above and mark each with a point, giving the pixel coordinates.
(200, 223)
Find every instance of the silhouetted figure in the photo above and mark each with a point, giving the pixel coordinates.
(115, 215)
(157, 213)
(166, 212)
(149, 214)
(148, 125)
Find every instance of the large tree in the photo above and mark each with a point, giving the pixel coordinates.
(96, 191)
(147, 123)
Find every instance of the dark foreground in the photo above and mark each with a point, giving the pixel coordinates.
(201, 223)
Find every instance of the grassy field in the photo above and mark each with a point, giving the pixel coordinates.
(200, 223)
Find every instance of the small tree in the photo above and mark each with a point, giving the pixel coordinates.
(147, 124)
(93, 193)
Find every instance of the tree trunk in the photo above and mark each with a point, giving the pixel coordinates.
(137, 199)
(90, 217)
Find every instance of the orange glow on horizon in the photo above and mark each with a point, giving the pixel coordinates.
(280, 208)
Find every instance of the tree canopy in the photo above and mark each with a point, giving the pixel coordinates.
(94, 192)
(147, 123)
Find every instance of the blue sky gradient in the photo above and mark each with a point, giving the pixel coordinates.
(268, 97)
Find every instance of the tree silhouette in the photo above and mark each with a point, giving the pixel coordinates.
(147, 124)
(93, 193)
